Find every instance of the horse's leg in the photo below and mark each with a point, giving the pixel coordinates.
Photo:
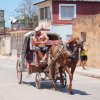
(61, 76)
(53, 76)
(70, 79)
(54, 85)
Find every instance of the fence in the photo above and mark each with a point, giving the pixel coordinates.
(17, 41)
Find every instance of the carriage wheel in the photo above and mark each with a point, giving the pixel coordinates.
(19, 72)
(38, 80)
(64, 80)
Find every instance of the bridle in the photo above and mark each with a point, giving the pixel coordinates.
(74, 49)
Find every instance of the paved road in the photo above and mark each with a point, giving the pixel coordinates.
(85, 88)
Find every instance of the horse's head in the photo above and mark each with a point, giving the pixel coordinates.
(74, 45)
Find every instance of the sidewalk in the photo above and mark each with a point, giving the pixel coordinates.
(8, 57)
(91, 72)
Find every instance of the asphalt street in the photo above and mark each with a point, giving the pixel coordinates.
(85, 88)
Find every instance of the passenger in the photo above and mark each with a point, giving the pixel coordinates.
(40, 41)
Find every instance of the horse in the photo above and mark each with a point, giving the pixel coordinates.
(66, 56)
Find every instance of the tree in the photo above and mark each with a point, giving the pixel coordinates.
(27, 13)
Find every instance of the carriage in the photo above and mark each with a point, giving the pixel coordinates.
(28, 60)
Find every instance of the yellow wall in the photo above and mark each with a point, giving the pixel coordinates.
(90, 25)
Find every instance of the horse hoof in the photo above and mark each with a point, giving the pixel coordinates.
(53, 89)
(71, 92)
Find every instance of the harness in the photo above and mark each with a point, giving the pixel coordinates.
(73, 53)
(54, 59)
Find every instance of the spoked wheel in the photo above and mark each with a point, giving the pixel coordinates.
(38, 80)
(64, 79)
(19, 72)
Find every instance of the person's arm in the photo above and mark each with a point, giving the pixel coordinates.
(46, 38)
(34, 40)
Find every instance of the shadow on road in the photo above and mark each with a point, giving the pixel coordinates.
(80, 92)
(48, 85)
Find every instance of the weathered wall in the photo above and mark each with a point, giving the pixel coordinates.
(17, 38)
(12, 40)
(5, 44)
(90, 25)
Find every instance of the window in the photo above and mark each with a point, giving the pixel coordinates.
(83, 35)
(45, 13)
(67, 11)
(42, 13)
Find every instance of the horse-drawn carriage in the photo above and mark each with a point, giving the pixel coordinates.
(29, 62)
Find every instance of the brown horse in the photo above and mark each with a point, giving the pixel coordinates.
(67, 57)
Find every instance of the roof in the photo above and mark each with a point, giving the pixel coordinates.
(14, 21)
(40, 2)
(29, 33)
(67, 0)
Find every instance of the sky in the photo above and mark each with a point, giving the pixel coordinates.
(9, 7)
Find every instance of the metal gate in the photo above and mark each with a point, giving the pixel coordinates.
(17, 41)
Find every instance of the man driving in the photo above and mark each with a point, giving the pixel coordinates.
(40, 39)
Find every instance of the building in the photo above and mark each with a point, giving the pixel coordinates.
(17, 25)
(57, 15)
(2, 31)
(2, 22)
(89, 29)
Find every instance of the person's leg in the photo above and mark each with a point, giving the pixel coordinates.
(83, 64)
(39, 53)
(45, 51)
(85, 61)
(44, 58)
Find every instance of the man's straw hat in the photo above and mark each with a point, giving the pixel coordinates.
(37, 29)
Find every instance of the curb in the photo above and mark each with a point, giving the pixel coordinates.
(88, 74)
(8, 57)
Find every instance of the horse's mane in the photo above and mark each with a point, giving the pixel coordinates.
(73, 39)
